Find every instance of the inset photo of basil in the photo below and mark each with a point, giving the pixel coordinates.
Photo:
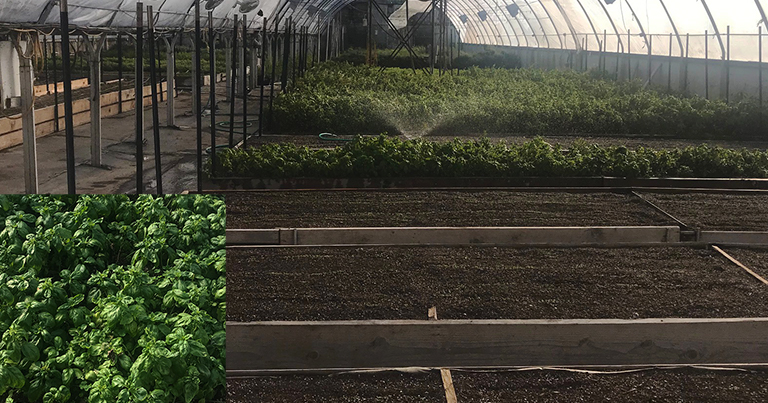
(112, 298)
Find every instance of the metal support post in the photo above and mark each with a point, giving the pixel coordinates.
(68, 115)
(28, 117)
(139, 97)
(199, 96)
(155, 107)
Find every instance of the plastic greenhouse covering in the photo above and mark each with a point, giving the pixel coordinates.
(696, 28)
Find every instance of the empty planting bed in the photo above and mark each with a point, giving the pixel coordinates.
(276, 209)
(659, 385)
(353, 283)
(720, 212)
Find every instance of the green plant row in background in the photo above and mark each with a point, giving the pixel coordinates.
(346, 99)
(387, 157)
(488, 58)
(112, 299)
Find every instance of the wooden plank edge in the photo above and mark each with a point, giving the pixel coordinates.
(232, 374)
(456, 235)
(734, 238)
(470, 343)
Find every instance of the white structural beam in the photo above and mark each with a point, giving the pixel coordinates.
(94, 61)
(28, 120)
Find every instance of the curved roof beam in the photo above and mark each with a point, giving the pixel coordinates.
(484, 24)
(613, 24)
(762, 12)
(533, 31)
(639, 24)
(551, 21)
(543, 31)
(714, 26)
(507, 16)
(568, 22)
(589, 19)
(488, 8)
(456, 20)
(674, 27)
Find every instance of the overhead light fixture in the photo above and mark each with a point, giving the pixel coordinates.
(610, 1)
(260, 13)
(247, 6)
(463, 18)
(483, 15)
(513, 9)
(211, 4)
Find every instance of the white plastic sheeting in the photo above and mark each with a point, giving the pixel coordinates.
(611, 25)
(122, 13)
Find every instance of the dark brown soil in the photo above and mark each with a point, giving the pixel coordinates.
(672, 385)
(378, 387)
(755, 259)
(435, 209)
(357, 283)
(716, 211)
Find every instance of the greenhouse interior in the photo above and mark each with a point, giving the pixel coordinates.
(417, 200)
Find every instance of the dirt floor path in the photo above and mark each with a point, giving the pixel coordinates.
(118, 175)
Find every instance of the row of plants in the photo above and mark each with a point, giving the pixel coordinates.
(112, 298)
(384, 58)
(389, 157)
(346, 99)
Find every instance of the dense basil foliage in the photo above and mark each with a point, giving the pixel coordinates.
(345, 99)
(112, 298)
(387, 157)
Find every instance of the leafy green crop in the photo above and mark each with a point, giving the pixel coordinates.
(388, 157)
(345, 99)
(112, 298)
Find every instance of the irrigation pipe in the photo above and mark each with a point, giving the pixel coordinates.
(333, 137)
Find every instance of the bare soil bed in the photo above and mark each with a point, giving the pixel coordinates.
(755, 259)
(358, 283)
(436, 209)
(719, 212)
(660, 385)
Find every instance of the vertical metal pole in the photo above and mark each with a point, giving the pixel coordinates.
(28, 122)
(119, 73)
(706, 64)
(629, 56)
(369, 41)
(760, 73)
(650, 59)
(157, 60)
(728, 66)
(139, 98)
(328, 41)
(45, 64)
(432, 40)
(68, 115)
(233, 88)
(244, 80)
(293, 58)
(669, 67)
(263, 68)
(95, 109)
(272, 77)
(603, 49)
(286, 54)
(212, 68)
(685, 76)
(170, 72)
(155, 107)
(199, 96)
(55, 87)
(228, 67)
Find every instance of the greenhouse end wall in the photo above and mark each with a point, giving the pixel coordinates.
(666, 72)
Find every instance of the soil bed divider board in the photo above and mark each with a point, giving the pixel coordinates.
(593, 182)
(258, 346)
(734, 238)
(561, 236)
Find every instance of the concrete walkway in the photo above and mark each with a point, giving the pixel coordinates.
(178, 147)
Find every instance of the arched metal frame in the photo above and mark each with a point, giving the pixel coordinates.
(528, 28)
